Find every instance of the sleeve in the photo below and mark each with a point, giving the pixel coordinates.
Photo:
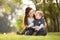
(45, 24)
(41, 26)
(31, 24)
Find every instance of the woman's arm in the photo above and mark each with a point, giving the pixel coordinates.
(31, 24)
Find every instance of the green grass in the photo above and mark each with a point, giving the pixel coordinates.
(49, 36)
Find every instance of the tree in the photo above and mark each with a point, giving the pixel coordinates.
(58, 8)
(50, 12)
(9, 8)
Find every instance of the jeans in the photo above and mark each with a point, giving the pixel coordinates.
(28, 31)
(41, 32)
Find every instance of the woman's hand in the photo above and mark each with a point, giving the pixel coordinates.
(36, 27)
(27, 26)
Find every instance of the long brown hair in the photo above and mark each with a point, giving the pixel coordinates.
(27, 10)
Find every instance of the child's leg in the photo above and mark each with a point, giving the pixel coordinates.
(35, 32)
(44, 32)
(41, 32)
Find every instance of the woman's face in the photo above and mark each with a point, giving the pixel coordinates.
(31, 13)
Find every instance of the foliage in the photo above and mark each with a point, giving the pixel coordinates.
(51, 13)
(19, 23)
(15, 2)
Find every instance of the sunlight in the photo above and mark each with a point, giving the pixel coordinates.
(54, 1)
(25, 3)
(28, 3)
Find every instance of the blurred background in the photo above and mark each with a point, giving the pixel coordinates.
(12, 14)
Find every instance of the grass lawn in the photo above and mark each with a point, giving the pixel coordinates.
(49, 36)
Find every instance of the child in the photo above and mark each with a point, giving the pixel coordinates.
(38, 23)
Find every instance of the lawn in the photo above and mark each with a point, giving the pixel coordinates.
(49, 36)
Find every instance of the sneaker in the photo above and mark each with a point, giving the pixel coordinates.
(18, 32)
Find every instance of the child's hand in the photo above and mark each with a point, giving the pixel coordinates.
(35, 27)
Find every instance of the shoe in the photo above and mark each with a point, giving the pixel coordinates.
(34, 33)
(18, 33)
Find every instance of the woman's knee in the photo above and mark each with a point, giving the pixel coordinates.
(29, 32)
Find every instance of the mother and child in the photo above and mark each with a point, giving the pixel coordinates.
(34, 23)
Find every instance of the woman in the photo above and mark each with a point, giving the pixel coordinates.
(29, 18)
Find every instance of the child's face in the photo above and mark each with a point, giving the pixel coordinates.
(38, 16)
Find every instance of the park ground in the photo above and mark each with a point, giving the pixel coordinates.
(12, 36)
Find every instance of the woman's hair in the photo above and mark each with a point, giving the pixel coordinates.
(27, 10)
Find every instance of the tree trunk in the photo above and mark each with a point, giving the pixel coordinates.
(58, 13)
